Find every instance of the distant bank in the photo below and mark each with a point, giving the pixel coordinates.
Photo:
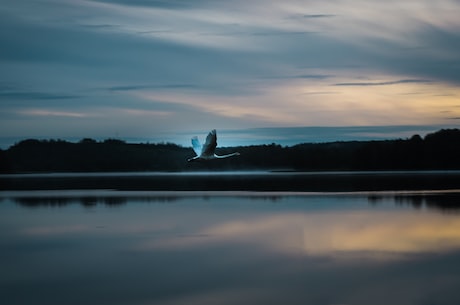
(436, 151)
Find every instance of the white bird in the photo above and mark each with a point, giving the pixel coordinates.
(206, 152)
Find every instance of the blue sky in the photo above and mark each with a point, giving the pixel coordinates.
(257, 71)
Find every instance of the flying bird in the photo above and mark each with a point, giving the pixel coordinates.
(207, 151)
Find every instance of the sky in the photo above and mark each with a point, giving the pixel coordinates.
(258, 71)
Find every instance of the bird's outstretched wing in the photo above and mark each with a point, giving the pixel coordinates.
(196, 146)
(210, 145)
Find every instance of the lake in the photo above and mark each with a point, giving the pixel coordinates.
(238, 181)
(234, 245)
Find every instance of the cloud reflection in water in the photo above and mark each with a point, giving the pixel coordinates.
(331, 249)
(357, 234)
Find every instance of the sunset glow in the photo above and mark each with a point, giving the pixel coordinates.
(227, 65)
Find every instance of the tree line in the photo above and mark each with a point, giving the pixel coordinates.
(436, 151)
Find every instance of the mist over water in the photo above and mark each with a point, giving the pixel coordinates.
(287, 181)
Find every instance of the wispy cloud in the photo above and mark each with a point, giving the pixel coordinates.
(11, 91)
(142, 87)
(147, 113)
(225, 64)
(52, 113)
(36, 96)
(397, 82)
(318, 16)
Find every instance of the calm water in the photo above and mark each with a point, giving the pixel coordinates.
(237, 181)
(144, 247)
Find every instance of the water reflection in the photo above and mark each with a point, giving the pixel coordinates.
(58, 201)
(359, 234)
(221, 249)
(85, 201)
(447, 202)
(237, 181)
(34, 202)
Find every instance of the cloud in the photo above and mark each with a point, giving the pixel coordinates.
(17, 95)
(314, 16)
(165, 4)
(281, 33)
(246, 64)
(14, 96)
(295, 135)
(142, 87)
(51, 113)
(402, 81)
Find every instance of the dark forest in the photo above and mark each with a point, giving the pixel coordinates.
(436, 151)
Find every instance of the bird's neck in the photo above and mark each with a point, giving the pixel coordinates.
(229, 155)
